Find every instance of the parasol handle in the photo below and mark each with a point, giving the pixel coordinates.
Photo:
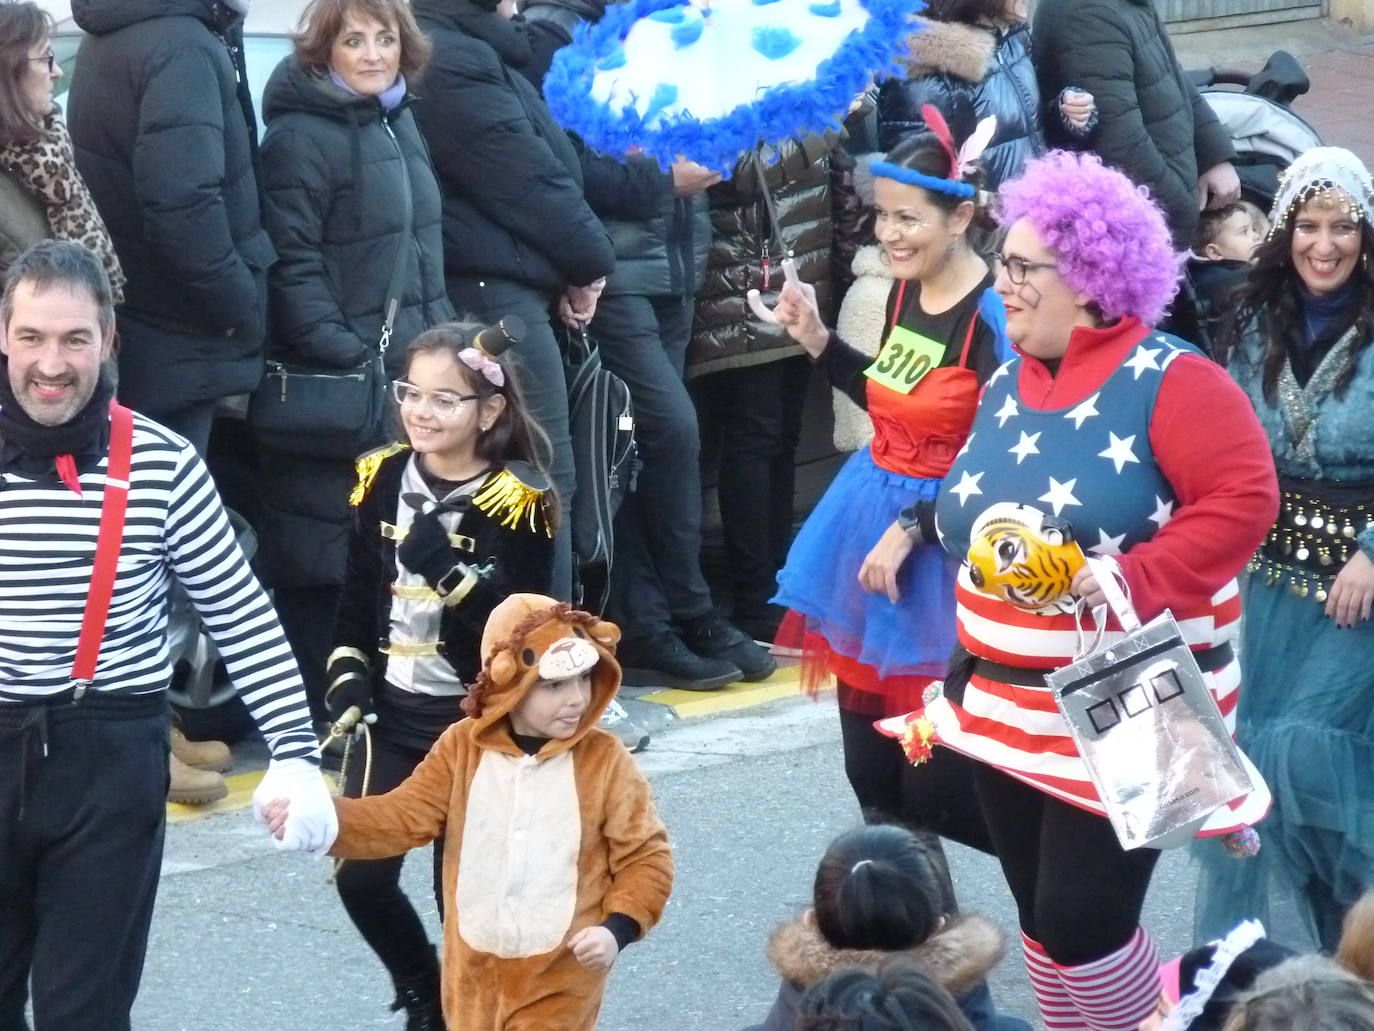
(761, 311)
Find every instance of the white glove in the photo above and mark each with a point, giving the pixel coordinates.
(311, 823)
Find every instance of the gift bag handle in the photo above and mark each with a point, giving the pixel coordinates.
(1114, 586)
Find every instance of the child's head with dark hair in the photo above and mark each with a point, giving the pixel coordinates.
(1232, 233)
(876, 889)
(444, 364)
(898, 996)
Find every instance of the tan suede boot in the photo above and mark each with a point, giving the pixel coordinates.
(194, 787)
(203, 755)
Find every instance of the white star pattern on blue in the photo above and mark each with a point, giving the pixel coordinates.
(1060, 494)
(1084, 411)
(1164, 511)
(1120, 451)
(1007, 410)
(1025, 446)
(1107, 545)
(1144, 358)
(967, 444)
(968, 484)
(1002, 370)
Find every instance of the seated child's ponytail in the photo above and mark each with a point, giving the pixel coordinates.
(876, 888)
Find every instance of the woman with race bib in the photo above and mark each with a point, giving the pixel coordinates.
(866, 574)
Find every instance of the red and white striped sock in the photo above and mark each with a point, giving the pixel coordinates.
(1117, 992)
(1057, 1009)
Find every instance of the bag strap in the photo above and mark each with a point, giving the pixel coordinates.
(396, 283)
(107, 547)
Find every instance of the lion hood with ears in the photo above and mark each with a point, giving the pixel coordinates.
(529, 637)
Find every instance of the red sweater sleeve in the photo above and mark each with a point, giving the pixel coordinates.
(1215, 455)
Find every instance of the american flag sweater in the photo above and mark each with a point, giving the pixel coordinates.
(175, 526)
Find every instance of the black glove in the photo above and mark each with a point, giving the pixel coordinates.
(349, 684)
(426, 549)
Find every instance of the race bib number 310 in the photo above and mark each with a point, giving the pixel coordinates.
(905, 359)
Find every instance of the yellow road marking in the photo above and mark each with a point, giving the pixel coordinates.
(784, 683)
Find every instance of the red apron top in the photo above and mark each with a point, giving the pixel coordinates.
(918, 434)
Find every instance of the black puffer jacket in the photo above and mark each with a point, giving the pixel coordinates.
(511, 178)
(968, 72)
(661, 240)
(332, 182)
(158, 121)
(725, 334)
(1154, 126)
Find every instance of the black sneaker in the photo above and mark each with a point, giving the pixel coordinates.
(662, 660)
(712, 636)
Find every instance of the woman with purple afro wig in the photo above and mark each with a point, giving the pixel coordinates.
(1130, 443)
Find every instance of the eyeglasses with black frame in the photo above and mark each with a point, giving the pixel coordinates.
(50, 57)
(442, 403)
(1017, 267)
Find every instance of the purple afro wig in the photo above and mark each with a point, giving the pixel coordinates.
(1111, 240)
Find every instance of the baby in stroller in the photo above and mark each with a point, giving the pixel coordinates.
(1223, 252)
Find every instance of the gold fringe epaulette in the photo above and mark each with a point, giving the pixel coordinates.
(367, 466)
(513, 503)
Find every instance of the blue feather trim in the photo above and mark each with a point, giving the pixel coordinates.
(911, 177)
(782, 113)
(775, 42)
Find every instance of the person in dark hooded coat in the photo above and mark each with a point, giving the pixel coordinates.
(333, 183)
(163, 128)
(519, 237)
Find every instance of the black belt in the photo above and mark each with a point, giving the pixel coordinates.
(1209, 660)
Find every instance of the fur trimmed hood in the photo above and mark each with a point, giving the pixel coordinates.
(950, 48)
(958, 956)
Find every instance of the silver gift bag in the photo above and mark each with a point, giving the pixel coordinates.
(1148, 729)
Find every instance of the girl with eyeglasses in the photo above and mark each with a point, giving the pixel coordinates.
(444, 528)
(42, 195)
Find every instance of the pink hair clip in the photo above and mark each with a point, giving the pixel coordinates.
(478, 362)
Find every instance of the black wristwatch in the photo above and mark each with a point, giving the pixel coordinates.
(918, 522)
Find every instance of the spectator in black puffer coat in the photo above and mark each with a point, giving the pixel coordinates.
(165, 136)
(333, 182)
(518, 235)
(1153, 124)
(747, 377)
(971, 60)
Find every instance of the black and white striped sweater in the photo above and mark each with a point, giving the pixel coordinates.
(175, 526)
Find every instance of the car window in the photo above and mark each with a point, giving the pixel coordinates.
(261, 54)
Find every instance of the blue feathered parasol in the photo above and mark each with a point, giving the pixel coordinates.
(710, 83)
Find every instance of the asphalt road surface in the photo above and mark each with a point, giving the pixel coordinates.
(248, 938)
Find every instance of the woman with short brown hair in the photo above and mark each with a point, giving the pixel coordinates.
(351, 200)
(42, 195)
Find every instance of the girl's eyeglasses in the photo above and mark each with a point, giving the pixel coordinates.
(50, 57)
(443, 404)
(1017, 267)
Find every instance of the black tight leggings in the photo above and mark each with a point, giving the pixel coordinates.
(371, 888)
(936, 796)
(1077, 892)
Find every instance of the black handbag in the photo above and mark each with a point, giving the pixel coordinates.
(318, 412)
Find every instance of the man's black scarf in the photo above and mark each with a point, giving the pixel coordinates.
(35, 449)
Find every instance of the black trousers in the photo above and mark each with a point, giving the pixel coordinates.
(371, 888)
(83, 796)
(1077, 892)
(937, 796)
(656, 575)
(751, 421)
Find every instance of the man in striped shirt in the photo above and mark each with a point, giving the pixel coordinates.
(83, 756)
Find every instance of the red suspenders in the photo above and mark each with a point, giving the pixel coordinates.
(107, 547)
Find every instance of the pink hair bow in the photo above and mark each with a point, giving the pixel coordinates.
(478, 362)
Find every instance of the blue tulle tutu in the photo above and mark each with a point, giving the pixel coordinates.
(821, 578)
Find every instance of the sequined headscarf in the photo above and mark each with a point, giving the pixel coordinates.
(1332, 171)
